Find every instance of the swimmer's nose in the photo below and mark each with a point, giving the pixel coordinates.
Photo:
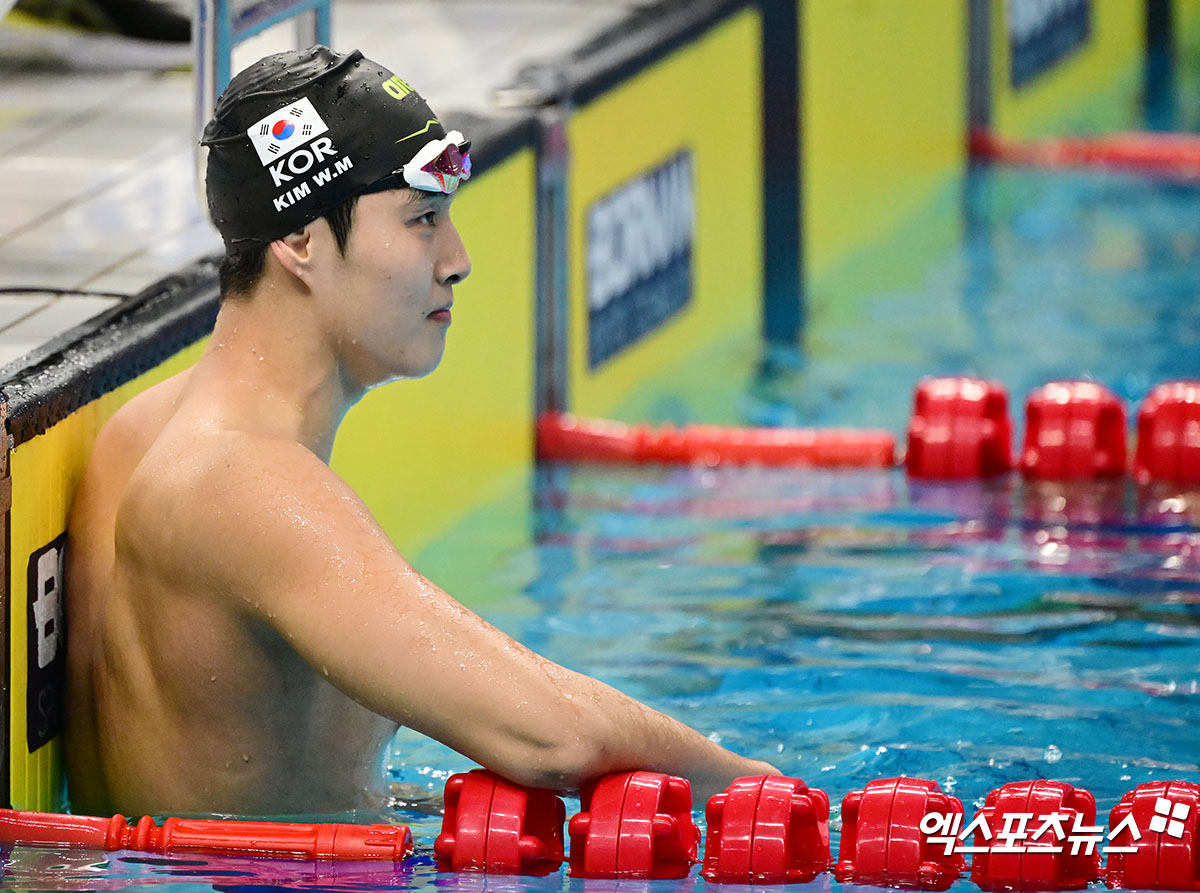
(455, 265)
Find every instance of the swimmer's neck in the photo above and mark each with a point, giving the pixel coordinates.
(272, 364)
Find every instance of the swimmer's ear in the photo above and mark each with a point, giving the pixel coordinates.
(294, 251)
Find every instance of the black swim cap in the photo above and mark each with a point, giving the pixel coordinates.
(298, 133)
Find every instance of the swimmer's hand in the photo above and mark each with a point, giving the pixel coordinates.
(704, 787)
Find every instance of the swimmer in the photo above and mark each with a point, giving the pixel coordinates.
(244, 637)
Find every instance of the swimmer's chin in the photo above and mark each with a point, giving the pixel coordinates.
(356, 386)
(412, 373)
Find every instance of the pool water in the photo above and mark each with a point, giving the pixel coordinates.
(856, 625)
(1059, 274)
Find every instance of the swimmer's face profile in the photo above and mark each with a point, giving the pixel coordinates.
(387, 299)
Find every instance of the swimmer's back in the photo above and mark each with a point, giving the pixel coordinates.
(197, 698)
(118, 449)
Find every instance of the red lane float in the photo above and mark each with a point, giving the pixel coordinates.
(493, 825)
(884, 843)
(1073, 430)
(635, 825)
(1169, 155)
(959, 429)
(897, 832)
(1168, 447)
(1044, 813)
(563, 437)
(277, 840)
(767, 829)
(1166, 858)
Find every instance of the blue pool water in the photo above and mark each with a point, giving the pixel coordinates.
(1059, 274)
(855, 625)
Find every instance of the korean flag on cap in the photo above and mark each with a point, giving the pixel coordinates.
(280, 132)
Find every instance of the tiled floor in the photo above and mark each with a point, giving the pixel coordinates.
(98, 187)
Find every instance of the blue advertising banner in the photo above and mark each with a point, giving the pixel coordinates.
(639, 256)
(1041, 33)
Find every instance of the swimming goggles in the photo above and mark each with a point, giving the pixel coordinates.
(440, 165)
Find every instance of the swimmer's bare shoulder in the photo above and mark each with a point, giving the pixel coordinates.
(272, 529)
(119, 448)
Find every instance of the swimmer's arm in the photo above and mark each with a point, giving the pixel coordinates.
(303, 553)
